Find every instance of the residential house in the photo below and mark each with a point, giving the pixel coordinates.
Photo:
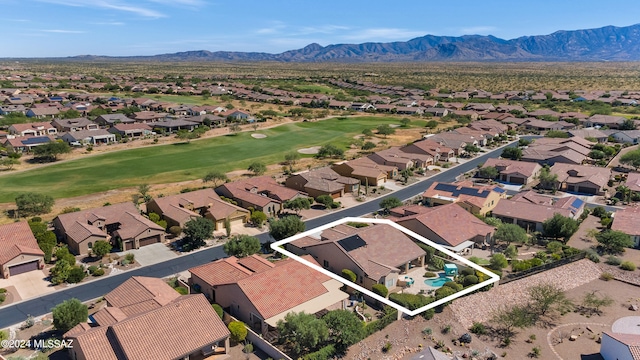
(377, 254)
(131, 130)
(67, 125)
(42, 113)
(260, 193)
(599, 121)
(475, 199)
(529, 209)
(599, 135)
(626, 221)
(173, 125)
(32, 129)
(237, 115)
(511, 171)
(543, 125)
(19, 250)
(627, 136)
(261, 293)
(434, 111)
(366, 170)
(581, 178)
(145, 318)
(112, 119)
(93, 137)
(10, 109)
(493, 126)
(620, 346)
(394, 156)
(549, 151)
(431, 148)
(178, 209)
(450, 226)
(25, 143)
(322, 181)
(148, 116)
(121, 224)
(633, 182)
(457, 142)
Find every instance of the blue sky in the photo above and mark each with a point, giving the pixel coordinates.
(51, 28)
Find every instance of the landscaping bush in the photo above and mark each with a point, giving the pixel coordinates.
(380, 289)
(92, 269)
(475, 260)
(76, 274)
(470, 280)
(521, 265)
(437, 263)
(130, 257)
(467, 271)
(324, 353)
(238, 331)
(430, 274)
(454, 285)
(3, 297)
(478, 328)
(612, 260)
(218, 310)
(349, 275)
(593, 255)
(182, 290)
(248, 349)
(606, 276)
(175, 230)
(628, 266)
(98, 272)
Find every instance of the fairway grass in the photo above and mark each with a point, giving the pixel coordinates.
(183, 161)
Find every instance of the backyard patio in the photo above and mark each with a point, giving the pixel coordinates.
(415, 281)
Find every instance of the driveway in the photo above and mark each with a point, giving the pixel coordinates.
(151, 254)
(28, 285)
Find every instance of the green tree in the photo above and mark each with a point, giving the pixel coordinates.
(593, 303)
(471, 149)
(597, 154)
(257, 168)
(511, 252)
(51, 150)
(9, 163)
(196, 231)
(405, 122)
(632, 158)
(385, 130)
(285, 227)
(406, 174)
(625, 193)
(513, 153)
(325, 200)
(368, 145)
(560, 227)
(557, 134)
(628, 124)
(215, 176)
(613, 241)
(242, 245)
(509, 318)
(101, 248)
(291, 158)
(547, 179)
(62, 253)
(76, 274)
(302, 332)
(330, 151)
(509, 233)
(431, 124)
(46, 239)
(345, 328)
(443, 292)
(380, 289)
(367, 133)
(70, 114)
(238, 331)
(488, 172)
(548, 299)
(258, 218)
(390, 203)
(68, 314)
(498, 261)
(30, 204)
(298, 204)
(59, 273)
(186, 135)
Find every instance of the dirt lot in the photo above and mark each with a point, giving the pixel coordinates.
(406, 335)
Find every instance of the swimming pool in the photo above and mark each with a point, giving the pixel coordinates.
(437, 282)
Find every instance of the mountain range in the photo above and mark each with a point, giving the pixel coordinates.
(608, 43)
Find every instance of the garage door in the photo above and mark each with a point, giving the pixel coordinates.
(237, 222)
(128, 245)
(149, 241)
(516, 180)
(381, 182)
(586, 190)
(23, 268)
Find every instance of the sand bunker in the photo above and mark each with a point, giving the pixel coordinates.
(394, 126)
(258, 136)
(312, 150)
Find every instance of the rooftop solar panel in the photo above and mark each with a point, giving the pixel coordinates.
(351, 243)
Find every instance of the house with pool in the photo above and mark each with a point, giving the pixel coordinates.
(376, 253)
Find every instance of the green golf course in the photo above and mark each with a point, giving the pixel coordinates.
(183, 161)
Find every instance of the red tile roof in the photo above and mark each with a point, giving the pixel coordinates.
(17, 239)
(627, 221)
(140, 294)
(224, 271)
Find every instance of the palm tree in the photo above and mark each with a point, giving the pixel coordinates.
(625, 193)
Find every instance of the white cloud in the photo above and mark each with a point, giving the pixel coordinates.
(110, 23)
(112, 5)
(59, 31)
(383, 34)
(473, 30)
(323, 29)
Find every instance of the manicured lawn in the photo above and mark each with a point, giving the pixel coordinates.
(180, 162)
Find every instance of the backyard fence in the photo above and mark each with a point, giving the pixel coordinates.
(538, 269)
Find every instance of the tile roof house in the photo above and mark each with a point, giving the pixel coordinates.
(366, 170)
(457, 142)
(43, 112)
(450, 226)
(475, 199)
(610, 121)
(627, 220)
(581, 178)
(377, 254)
(394, 156)
(111, 119)
(633, 182)
(512, 171)
(121, 224)
(489, 125)
(146, 319)
(573, 150)
(33, 129)
(429, 147)
(19, 250)
(620, 346)
(93, 137)
(180, 208)
(261, 293)
(261, 193)
(131, 130)
(322, 181)
(66, 125)
(26, 143)
(529, 210)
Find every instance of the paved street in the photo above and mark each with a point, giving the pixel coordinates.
(13, 314)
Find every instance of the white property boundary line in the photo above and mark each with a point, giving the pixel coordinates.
(492, 277)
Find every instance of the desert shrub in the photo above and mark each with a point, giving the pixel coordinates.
(478, 328)
(130, 257)
(98, 272)
(248, 348)
(76, 274)
(387, 347)
(92, 269)
(612, 260)
(628, 266)
(593, 255)
(429, 274)
(520, 265)
(380, 289)
(175, 230)
(606, 276)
